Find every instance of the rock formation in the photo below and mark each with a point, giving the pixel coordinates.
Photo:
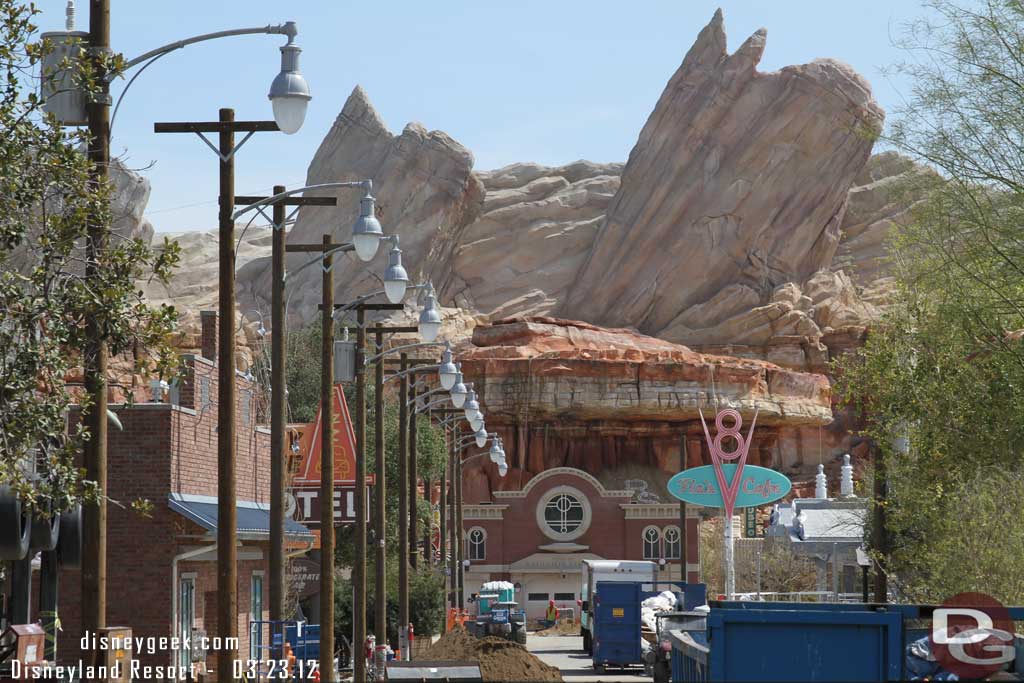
(537, 228)
(567, 393)
(737, 185)
(426, 194)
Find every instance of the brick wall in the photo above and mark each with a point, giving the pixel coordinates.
(194, 438)
(164, 449)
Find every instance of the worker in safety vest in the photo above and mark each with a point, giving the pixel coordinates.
(552, 614)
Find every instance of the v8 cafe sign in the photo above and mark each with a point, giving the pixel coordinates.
(304, 503)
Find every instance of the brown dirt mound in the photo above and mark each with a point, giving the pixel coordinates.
(500, 660)
(564, 628)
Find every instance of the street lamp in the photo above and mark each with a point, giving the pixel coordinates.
(430, 319)
(497, 453)
(448, 372)
(458, 391)
(480, 436)
(289, 93)
(396, 280)
(366, 233)
(472, 410)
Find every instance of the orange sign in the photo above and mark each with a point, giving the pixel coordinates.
(344, 446)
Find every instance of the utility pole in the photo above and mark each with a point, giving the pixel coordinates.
(327, 468)
(277, 423)
(94, 546)
(403, 501)
(443, 508)
(880, 539)
(683, 573)
(428, 495)
(327, 248)
(278, 351)
(413, 526)
(458, 532)
(359, 570)
(380, 584)
(227, 511)
(453, 571)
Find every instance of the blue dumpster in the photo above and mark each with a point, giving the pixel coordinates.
(820, 642)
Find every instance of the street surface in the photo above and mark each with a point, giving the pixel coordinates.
(566, 653)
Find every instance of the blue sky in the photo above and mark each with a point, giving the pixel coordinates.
(524, 80)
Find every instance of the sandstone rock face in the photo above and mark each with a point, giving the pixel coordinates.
(537, 228)
(573, 368)
(616, 403)
(131, 195)
(737, 185)
(878, 201)
(193, 288)
(426, 193)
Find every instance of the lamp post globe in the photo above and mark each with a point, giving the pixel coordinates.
(476, 421)
(448, 371)
(430, 320)
(502, 468)
(395, 278)
(366, 233)
(497, 455)
(289, 92)
(458, 391)
(470, 406)
(481, 437)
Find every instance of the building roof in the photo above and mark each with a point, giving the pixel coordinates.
(814, 525)
(253, 521)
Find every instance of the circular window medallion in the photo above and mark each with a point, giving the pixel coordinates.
(563, 514)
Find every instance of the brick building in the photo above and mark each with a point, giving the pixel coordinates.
(161, 568)
(538, 536)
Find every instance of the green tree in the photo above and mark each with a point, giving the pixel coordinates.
(46, 204)
(944, 370)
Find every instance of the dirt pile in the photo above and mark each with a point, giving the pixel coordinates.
(562, 628)
(500, 660)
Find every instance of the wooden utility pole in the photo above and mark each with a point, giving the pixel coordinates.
(443, 509)
(227, 511)
(453, 571)
(327, 468)
(359, 569)
(403, 501)
(413, 526)
(682, 513)
(880, 536)
(278, 356)
(277, 416)
(94, 515)
(327, 248)
(458, 530)
(380, 523)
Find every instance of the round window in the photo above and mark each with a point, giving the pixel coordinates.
(563, 514)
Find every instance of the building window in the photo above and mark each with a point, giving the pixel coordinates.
(536, 597)
(563, 514)
(672, 545)
(477, 544)
(255, 615)
(565, 596)
(186, 614)
(652, 543)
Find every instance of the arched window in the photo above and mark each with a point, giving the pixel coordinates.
(652, 543)
(672, 543)
(477, 538)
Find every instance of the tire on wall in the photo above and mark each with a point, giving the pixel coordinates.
(15, 526)
(69, 544)
(45, 528)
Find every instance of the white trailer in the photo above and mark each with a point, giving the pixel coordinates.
(595, 571)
